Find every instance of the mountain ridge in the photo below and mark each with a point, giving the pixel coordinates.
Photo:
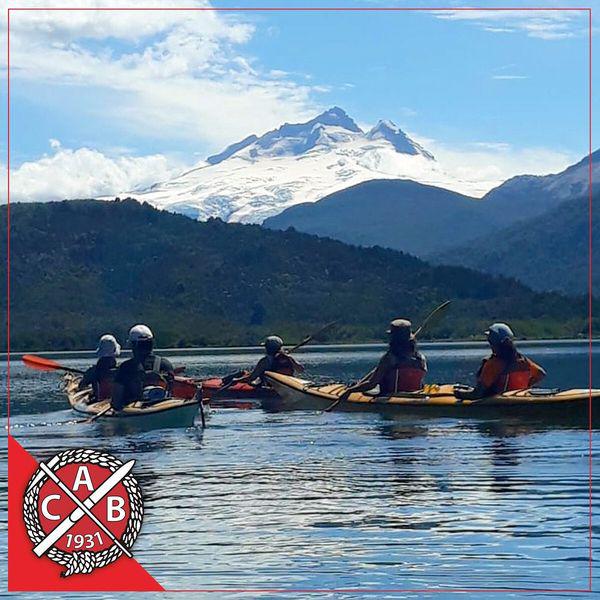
(214, 283)
(429, 221)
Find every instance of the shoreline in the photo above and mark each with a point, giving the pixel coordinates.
(192, 351)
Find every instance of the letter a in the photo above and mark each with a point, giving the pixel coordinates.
(83, 478)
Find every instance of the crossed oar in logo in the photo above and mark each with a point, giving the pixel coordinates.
(83, 508)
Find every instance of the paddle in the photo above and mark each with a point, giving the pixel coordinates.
(97, 415)
(433, 316)
(305, 341)
(46, 364)
(312, 336)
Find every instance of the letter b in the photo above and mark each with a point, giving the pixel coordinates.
(115, 510)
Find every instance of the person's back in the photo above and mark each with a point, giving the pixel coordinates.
(145, 376)
(405, 372)
(275, 359)
(101, 375)
(509, 372)
(401, 369)
(504, 370)
(281, 363)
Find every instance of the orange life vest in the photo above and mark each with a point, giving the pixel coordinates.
(516, 376)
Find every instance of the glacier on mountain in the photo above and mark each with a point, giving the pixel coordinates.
(261, 176)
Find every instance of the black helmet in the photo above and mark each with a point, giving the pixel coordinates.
(273, 344)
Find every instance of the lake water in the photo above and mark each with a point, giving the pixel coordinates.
(303, 500)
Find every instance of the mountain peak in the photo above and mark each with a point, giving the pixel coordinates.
(327, 131)
(336, 116)
(389, 131)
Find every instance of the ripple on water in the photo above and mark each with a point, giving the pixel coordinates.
(339, 500)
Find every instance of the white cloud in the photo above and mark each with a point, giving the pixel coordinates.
(510, 77)
(541, 24)
(495, 162)
(172, 74)
(86, 173)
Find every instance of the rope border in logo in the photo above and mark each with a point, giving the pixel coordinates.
(84, 561)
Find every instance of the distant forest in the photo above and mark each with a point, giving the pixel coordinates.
(83, 268)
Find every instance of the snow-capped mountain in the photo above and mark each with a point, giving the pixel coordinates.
(259, 177)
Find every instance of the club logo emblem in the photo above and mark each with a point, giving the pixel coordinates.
(83, 509)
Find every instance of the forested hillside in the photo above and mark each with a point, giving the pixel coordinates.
(83, 268)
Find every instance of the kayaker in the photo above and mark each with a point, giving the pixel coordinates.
(101, 375)
(401, 369)
(276, 359)
(504, 370)
(145, 376)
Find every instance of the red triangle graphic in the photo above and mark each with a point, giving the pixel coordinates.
(27, 572)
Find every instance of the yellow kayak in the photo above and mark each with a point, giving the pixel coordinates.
(297, 394)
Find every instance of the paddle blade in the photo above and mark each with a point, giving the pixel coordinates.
(46, 364)
(39, 363)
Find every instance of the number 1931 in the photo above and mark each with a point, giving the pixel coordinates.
(86, 541)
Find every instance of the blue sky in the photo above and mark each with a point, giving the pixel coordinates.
(113, 99)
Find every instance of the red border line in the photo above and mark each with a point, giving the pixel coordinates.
(590, 293)
(590, 216)
(8, 220)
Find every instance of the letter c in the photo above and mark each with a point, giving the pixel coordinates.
(45, 511)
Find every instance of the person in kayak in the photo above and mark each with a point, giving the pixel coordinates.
(101, 375)
(504, 370)
(145, 376)
(276, 359)
(401, 369)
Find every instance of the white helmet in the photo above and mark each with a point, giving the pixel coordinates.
(140, 333)
(108, 347)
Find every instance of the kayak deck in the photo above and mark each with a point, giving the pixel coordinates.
(296, 394)
(168, 413)
(237, 391)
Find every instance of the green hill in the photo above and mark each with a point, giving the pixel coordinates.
(83, 268)
(549, 252)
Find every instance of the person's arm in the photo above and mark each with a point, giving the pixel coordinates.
(117, 400)
(118, 392)
(298, 367)
(373, 379)
(537, 373)
(166, 367)
(258, 371)
(88, 378)
(479, 391)
(486, 377)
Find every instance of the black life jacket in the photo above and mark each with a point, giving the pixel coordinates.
(153, 376)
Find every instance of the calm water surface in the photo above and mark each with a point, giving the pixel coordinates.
(345, 500)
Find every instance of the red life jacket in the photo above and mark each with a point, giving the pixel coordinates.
(406, 376)
(282, 363)
(516, 376)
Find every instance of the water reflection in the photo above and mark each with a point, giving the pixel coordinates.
(307, 500)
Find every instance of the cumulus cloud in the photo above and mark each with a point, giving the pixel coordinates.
(173, 74)
(86, 173)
